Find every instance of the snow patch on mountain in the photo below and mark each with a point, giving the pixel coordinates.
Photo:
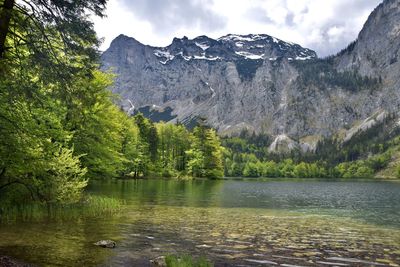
(303, 58)
(203, 46)
(233, 37)
(232, 47)
(249, 55)
(204, 57)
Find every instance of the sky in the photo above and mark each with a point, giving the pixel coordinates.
(326, 26)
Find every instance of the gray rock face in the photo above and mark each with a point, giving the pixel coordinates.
(251, 81)
(376, 50)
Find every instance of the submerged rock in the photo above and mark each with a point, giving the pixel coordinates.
(353, 260)
(6, 261)
(262, 261)
(332, 263)
(159, 261)
(106, 244)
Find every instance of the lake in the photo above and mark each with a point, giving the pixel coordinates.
(231, 222)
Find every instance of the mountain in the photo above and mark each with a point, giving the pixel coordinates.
(263, 84)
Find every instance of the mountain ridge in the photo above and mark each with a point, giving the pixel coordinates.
(265, 85)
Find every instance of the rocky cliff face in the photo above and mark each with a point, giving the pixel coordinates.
(376, 50)
(263, 84)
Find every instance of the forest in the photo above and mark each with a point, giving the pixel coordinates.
(365, 154)
(84, 183)
(59, 125)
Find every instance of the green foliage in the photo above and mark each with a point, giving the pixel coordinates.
(248, 165)
(48, 52)
(99, 128)
(286, 168)
(237, 164)
(251, 170)
(374, 140)
(205, 154)
(59, 126)
(55, 37)
(322, 73)
(58, 122)
(89, 206)
(173, 142)
(186, 261)
(397, 174)
(63, 180)
(249, 143)
(35, 158)
(356, 169)
(366, 153)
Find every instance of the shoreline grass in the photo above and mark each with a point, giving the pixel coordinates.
(186, 261)
(89, 206)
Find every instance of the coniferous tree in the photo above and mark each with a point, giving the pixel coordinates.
(205, 154)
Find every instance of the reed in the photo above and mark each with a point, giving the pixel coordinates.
(89, 206)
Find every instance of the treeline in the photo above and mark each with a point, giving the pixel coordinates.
(247, 165)
(374, 140)
(59, 126)
(247, 155)
(365, 168)
(50, 148)
(168, 150)
(366, 153)
(322, 73)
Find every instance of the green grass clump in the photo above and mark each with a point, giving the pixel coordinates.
(89, 206)
(186, 261)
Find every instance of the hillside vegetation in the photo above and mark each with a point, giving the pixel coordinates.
(370, 153)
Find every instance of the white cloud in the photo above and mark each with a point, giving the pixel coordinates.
(120, 20)
(325, 26)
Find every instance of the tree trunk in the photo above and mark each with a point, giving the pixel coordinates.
(2, 172)
(5, 17)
